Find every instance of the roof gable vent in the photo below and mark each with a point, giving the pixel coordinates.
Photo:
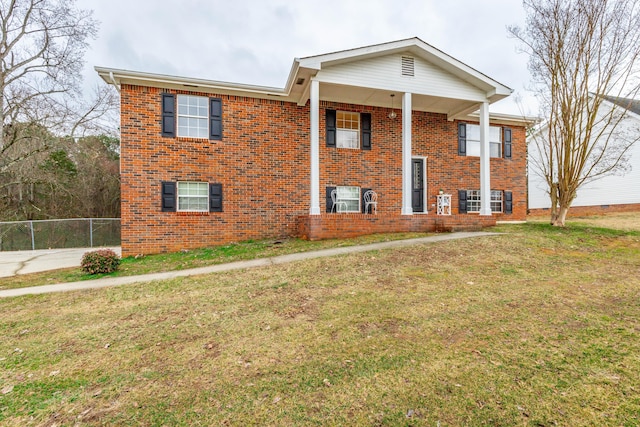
(408, 66)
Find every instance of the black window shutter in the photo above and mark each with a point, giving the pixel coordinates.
(365, 124)
(215, 118)
(331, 128)
(462, 201)
(215, 197)
(168, 115)
(508, 202)
(329, 201)
(462, 139)
(168, 194)
(362, 193)
(507, 142)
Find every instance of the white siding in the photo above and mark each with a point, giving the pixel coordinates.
(609, 190)
(385, 73)
(537, 187)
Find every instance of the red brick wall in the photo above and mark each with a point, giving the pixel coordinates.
(259, 163)
(263, 163)
(434, 137)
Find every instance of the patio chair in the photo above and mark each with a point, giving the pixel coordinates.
(337, 204)
(371, 200)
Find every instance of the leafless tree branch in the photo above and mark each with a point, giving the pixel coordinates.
(580, 52)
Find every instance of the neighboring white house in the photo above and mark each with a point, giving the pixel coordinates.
(620, 191)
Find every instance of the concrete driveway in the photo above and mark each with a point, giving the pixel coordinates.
(24, 262)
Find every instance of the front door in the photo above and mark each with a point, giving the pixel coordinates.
(417, 185)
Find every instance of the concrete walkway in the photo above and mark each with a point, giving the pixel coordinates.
(239, 265)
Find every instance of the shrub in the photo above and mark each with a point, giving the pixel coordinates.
(100, 261)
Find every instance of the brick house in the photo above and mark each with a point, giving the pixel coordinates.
(206, 163)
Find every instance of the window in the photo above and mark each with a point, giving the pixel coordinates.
(193, 196)
(496, 201)
(348, 129)
(186, 196)
(473, 140)
(473, 201)
(350, 196)
(193, 116)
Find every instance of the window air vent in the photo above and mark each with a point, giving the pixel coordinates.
(408, 66)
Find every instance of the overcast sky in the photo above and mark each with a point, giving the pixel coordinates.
(255, 41)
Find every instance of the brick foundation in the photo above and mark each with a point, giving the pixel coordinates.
(590, 210)
(332, 226)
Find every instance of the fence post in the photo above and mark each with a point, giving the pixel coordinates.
(91, 232)
(33, 240)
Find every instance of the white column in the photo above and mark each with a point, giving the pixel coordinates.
(485, 164)
(406, 155)
(315, 149)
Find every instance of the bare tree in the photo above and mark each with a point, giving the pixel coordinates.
(42, 46)
(580, 52)
(76, 177)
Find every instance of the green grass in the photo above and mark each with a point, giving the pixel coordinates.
(536, 327)
(131, 266)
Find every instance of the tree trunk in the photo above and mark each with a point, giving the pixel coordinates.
(554, 203)
(561, 216)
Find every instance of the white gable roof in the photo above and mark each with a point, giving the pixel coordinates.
(439, 62)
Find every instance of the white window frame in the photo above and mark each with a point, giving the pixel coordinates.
(193, 116)
(474, 200)
(495, 141)
(347, 136)
(186, 196)
(496, 201)
(347, 194)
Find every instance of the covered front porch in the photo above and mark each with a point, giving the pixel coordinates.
(421, 80)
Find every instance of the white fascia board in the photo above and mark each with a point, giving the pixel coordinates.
(492, 87)
(293, 75)
(507, 119)
(118, 76)
(328, 59)
(463, 112)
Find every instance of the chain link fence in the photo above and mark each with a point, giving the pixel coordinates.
(59, 233)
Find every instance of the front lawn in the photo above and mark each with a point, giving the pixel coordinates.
(247, 250)
(537, 327)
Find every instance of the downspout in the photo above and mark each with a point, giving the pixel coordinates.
(113, 80)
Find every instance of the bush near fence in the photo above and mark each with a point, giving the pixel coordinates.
(59, 233)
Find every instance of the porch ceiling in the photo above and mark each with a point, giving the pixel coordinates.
(382, 98)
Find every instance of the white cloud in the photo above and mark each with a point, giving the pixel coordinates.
(255, 41)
